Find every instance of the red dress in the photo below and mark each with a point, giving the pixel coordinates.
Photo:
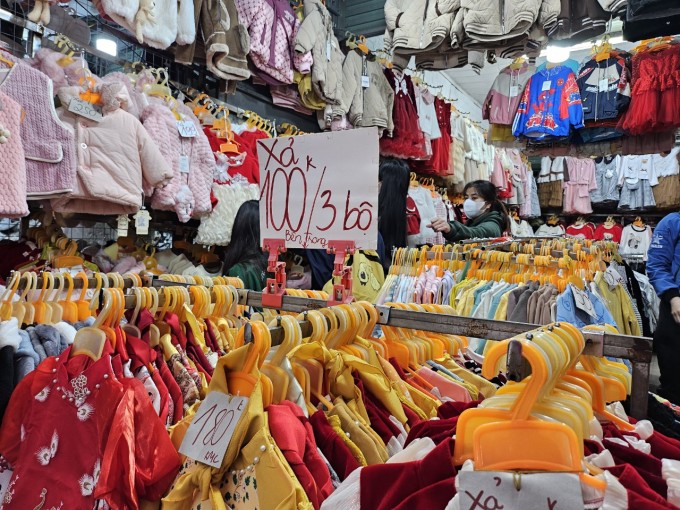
(74, 434)
(407, 139)
(655, 92)
(438, 164)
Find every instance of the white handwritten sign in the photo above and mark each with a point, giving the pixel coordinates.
(492, 490)
(583, 302)
(85, 109)
(187, 129)
(321, 187)
(208, 436)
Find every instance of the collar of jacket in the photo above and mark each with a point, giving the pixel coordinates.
(113, 95)
(487, 216)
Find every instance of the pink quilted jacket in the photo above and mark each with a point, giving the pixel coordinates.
(117, 159)
(188, 193)
(273, 27)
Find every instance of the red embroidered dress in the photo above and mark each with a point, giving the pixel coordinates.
(74, 435)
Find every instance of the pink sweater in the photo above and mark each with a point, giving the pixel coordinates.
(188, 192)
(49, 146)
(12, 163)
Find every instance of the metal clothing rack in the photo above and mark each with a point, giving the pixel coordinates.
(638, 350)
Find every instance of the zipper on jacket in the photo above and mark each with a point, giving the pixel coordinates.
(503, 17)
(597, 93)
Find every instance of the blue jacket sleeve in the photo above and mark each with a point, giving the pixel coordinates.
(574, 104)
(660, 257)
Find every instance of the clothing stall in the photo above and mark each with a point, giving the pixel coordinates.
(140, 370)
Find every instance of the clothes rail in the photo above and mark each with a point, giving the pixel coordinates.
(638, 350)
(481, 254)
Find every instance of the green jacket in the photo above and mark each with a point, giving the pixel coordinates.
(489, 224)
(252, 276)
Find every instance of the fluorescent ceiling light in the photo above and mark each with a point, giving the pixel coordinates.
(581, 46)
(106, 45)
(557, 53)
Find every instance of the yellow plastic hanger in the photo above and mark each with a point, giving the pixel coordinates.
(56, 310)
(89, 94)
(8, 296)
(273, 370)
(554, 446)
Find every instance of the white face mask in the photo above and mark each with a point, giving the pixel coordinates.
(473, 208)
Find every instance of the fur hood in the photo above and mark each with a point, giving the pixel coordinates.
(138, 100)
(114, 96)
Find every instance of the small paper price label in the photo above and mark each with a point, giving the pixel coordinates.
(85, 109)
(142, 222)
(123, 222)
(184, 165)
(492, 490)
(612, 277)
(187, 129)
(546, 85)
(365, 81)
(5, 479)
(208, 435)
(514, 91)
(603, 85)
(583, 302)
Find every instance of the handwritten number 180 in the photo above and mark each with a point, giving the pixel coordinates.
(210, 435)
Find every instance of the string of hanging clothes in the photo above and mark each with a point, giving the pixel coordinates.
(442, 321)
(247, 471)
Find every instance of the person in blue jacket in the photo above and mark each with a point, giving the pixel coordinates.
(663, 269)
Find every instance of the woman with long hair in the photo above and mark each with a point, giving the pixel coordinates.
(487, 216)
(244, 258)
(394, 181)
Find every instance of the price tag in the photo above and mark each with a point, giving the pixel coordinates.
(603, 85)
(5, 481)
(321, 187)
(546, 85)
(514, 91)
(142, 222)
(612, 277)
(123, 222)
(583, 302)
(85, 109)
(328, 50)
(208, 436)
(184, 164)
(365, 81)
(187, 129)
(491, 490)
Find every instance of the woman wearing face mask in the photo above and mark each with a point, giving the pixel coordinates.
(487, 216)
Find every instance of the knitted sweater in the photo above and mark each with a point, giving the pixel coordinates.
(188, 192)
(12, 163)
(49, 146)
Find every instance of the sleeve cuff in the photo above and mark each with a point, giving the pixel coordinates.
(451, 234)
(670, 294)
